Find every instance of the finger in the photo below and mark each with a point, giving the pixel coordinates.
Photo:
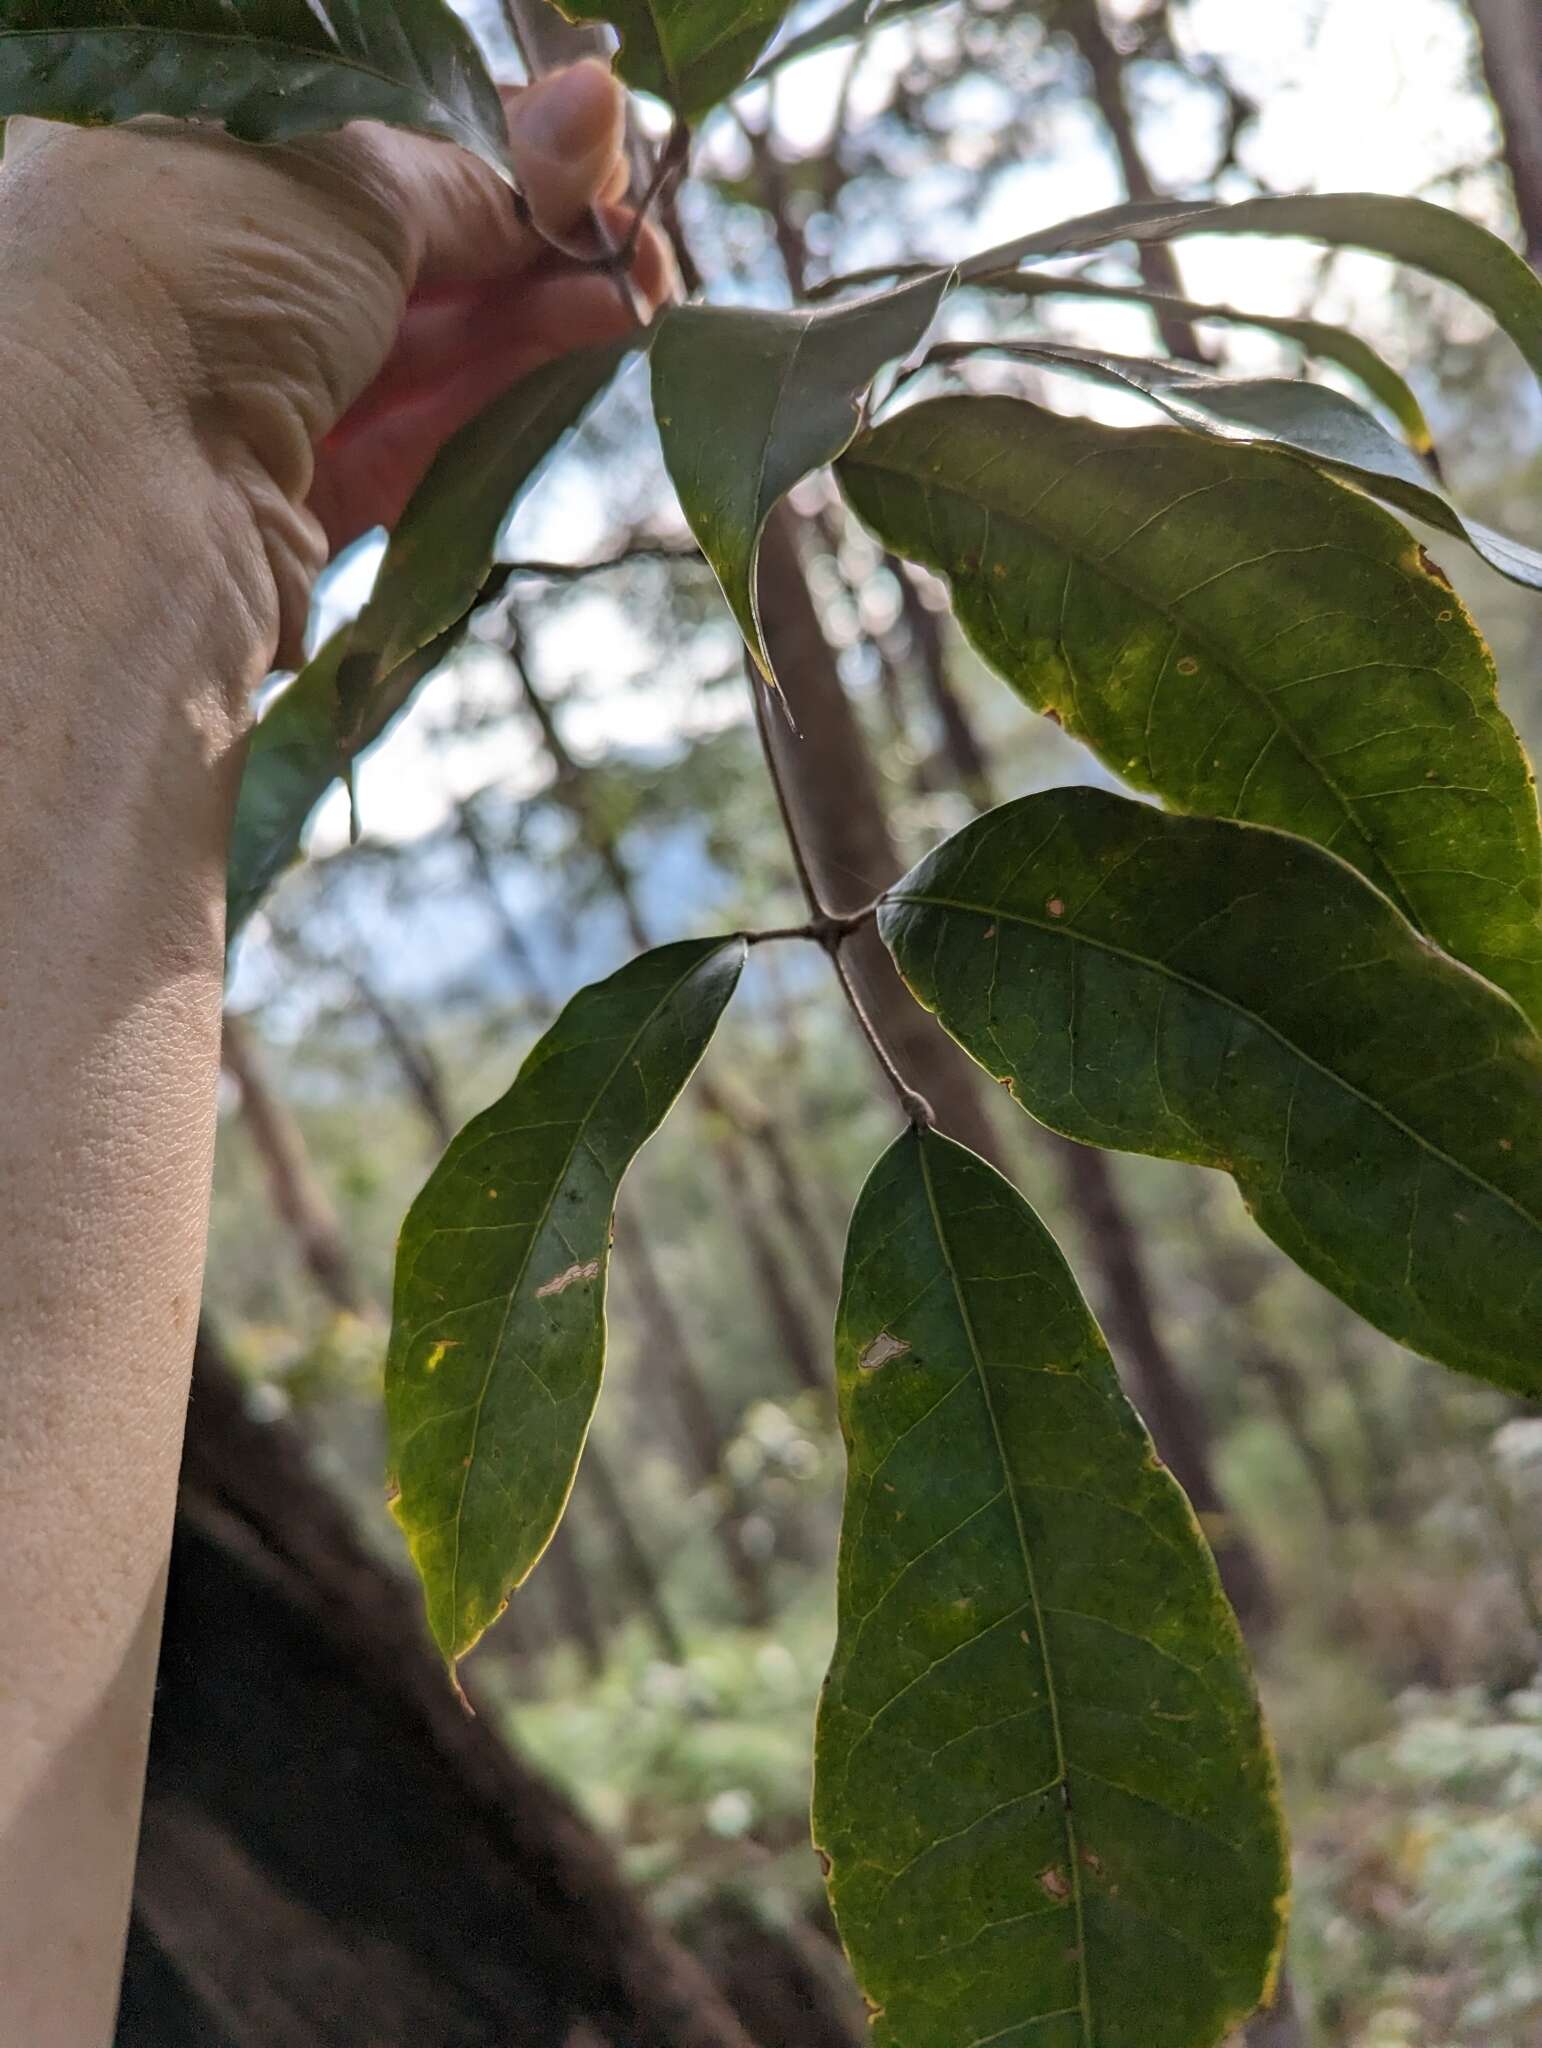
(565, 135)
(371, 464)
(566, 138)
(443, 328)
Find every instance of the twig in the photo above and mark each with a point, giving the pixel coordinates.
(830, 930)
(568, 572)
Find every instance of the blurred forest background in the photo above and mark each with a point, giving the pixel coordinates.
(583, 778)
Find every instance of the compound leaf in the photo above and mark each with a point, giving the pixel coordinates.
(264, 69)
(1213, 992)
(498, 1325)
(1226, 626)
(748, 403)
(1041, 1779)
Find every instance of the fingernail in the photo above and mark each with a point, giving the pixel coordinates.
(569, 114)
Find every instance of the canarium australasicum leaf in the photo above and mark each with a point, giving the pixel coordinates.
(1244, 636)
(1236, 997)
(1041, 1781)
(264, 69)
(498, 1324)
(749, 403)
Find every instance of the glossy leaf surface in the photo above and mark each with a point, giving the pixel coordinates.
(1290, 412)
(264, 69)
(1229, 628)
(1317, 338)
(1412, 231)
(749, 403)
(435, 569)
(1040, 1776)
(1212, 992)
(498, 1324)
(691, 53)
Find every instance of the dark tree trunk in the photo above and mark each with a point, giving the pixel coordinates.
(1510, 46)
(335, 1854)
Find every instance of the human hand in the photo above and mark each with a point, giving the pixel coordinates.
(323, 314)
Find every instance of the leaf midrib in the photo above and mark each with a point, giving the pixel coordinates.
(1045, 531)
(580, 1132)
(247, 44)
(1009, 1479)
(1166, 972)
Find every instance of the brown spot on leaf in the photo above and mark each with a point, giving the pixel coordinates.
(1055, 1882)
(1432, 568)
(880, 1351)
(1053, 716)
(1056, 906)
(825, 1865)
(1188, 666)
(989, 932)
(563, 1281)
(1093, 1861)
(874, 2010)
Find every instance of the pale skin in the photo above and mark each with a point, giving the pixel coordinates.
(219, 364)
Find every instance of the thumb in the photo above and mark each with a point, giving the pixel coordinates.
(565, 142)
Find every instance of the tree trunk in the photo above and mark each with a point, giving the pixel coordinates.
(335, 1854)
(1510, 47)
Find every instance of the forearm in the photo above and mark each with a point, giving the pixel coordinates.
(137, 610)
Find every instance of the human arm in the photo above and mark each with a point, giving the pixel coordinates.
(184, 323)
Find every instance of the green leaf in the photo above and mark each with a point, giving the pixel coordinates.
(691, 53)
(498, 1326)
(749, 403)
(264, 69)
(1041, 1777)
(1412, 231)
(1238, 998)
(435, 571)
(1227, 627)
(842, 24)
(1315, 337)
(1311, 419)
